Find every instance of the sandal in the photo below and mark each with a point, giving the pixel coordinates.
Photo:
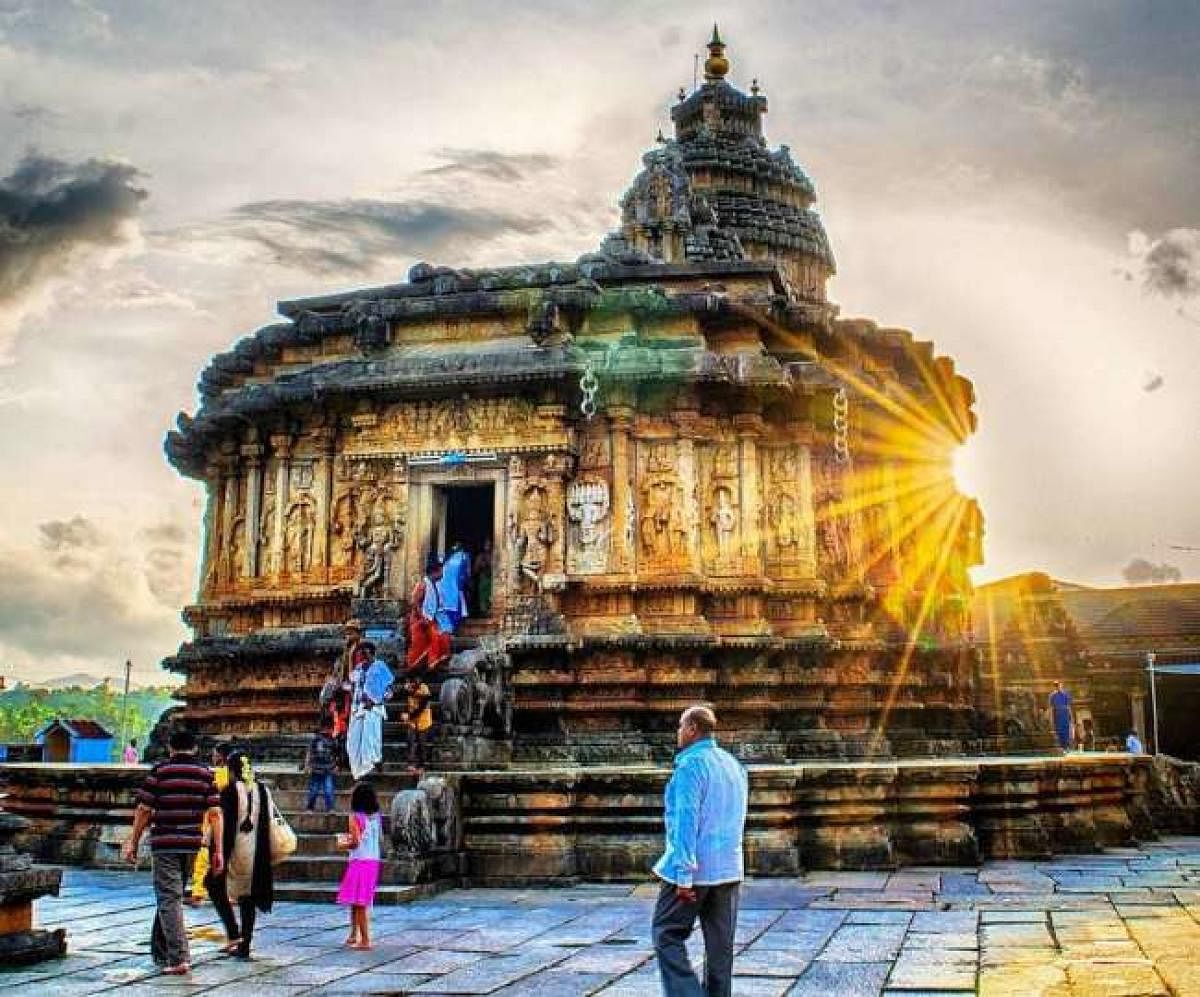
(181, 970)
(231, 946)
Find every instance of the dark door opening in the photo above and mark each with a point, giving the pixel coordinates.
(466, 514)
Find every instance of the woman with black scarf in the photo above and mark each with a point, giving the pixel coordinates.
(246, 806)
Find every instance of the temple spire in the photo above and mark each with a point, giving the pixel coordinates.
(716, 65)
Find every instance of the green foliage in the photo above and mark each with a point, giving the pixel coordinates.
(24, 710)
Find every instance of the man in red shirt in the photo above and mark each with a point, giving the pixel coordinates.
(173, 802)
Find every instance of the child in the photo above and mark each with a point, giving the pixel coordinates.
(320, 762)
(419, 719)
(362, 871)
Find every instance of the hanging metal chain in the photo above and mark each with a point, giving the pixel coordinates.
(841, 426)
(589, 384)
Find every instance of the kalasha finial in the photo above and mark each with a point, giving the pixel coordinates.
(716, 65)
(682, 95)
(754, 88)
(660, 138)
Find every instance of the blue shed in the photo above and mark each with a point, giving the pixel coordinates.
(80, 741)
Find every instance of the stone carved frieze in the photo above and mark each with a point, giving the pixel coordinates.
(266, 531)
(590, 521)
(233, 560)
(450, 424)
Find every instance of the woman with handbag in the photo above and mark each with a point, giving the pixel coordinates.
(248, 811)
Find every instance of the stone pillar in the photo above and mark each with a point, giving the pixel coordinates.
(624, 549)
(214, 487)
(281, 445)
(749, 428)
(323, 485)
(808, 515)
(252, 453)
(1137, 713)
(685, 422)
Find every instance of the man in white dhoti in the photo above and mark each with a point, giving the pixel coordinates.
(369, 687)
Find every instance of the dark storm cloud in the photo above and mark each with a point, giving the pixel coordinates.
(1171, 264)
(489, 164)
(49, 208)
(351, 236)
(1139, 571)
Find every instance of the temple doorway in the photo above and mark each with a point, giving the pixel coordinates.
(466, 514)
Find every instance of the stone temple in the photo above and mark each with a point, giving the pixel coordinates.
(698, 484)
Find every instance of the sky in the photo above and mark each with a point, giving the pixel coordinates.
(1016, 182)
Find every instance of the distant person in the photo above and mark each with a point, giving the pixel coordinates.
(1133, 744)
(1061, 715)
(701, 867)
(130, 755)
(176, 798)
(320, 762)
(364, 841)
(481, 578)
(428, 644)
(418, 718)
(246, 850)
(452, 588)
(371, 686)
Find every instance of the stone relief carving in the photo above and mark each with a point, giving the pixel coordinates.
(299, 530)
(788, 516)
(724, 521)
(234, 560)
(455, 422)
(532, 532)
(588, 508)
(833, 531)
(266, 534)
(379, 538)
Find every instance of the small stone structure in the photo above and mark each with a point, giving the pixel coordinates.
(21, 883)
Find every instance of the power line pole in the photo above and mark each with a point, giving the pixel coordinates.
(1150, 658)
(124, 708)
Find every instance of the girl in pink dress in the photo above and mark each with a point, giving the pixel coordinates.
(362, 871)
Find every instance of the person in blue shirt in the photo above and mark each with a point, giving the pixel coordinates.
(701, 866)
(452, 589)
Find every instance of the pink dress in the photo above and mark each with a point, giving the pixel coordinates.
(362, 871)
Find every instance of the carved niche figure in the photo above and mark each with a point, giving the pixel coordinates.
(298, 536)
(343, 547)
(532, 533)
(266, 534)
(832, 530)
(235, 553)
(379, 540)
(587, 512)
(724, 520)
(655, 523)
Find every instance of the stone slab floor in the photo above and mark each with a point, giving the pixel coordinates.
(1124, 922)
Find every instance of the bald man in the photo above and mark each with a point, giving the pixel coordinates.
(701, 867)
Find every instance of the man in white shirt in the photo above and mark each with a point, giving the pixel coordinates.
(701, 867)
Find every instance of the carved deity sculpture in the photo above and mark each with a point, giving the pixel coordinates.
(655, 523)
(298, 536)
(832, 530)
(379, 540)
(235, 553)
(532, 534)
(588, 514)
(724, 522)
(266, 533)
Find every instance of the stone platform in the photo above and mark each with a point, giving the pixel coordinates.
(563, 825)
(1123, 922)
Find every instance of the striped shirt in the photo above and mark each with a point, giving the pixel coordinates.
(178, 792)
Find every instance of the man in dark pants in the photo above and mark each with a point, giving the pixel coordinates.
(701, 867)
(178, 796)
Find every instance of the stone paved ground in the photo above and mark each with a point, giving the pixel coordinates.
(1125, 922)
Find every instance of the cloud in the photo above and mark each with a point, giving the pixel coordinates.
(64, 536)
(1139, 571)
(490, 164)
(51, 211)
(1170, 264)
(353, 235)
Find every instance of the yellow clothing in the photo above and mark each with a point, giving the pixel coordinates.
(200, 868)
(417, 708)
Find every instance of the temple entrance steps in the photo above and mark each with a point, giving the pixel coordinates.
(313, 873)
